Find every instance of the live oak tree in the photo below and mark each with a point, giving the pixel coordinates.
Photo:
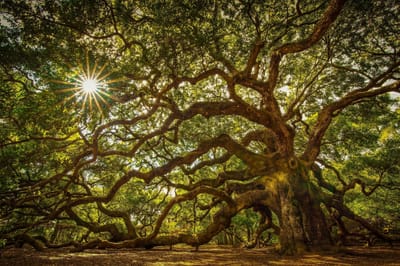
(198, 111)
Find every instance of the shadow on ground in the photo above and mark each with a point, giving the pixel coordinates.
(207, 255)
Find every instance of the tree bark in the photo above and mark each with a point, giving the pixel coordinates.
(302, 222)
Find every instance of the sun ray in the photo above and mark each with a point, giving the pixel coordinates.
(114, 80)
(81, 69)
(90, 103)
(98, 105)
(104, 76)
(87, 66)
(104, 101)
(60, 81)
(84, 102)
(99, 73)
(70, 89)
(92, 75)
(76, 94)
(106, 94)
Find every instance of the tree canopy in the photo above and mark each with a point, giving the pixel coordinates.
(202, 118)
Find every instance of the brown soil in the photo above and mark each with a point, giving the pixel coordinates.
(207, 255)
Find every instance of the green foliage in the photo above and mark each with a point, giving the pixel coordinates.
(180, 106)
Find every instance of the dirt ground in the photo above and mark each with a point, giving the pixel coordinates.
(207, 255)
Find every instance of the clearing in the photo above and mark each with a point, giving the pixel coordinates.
(207, 255)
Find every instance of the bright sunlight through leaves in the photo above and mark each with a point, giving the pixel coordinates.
(90, 87)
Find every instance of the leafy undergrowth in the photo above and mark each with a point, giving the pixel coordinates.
(207, 255)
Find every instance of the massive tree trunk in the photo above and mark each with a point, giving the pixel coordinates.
(302, 221)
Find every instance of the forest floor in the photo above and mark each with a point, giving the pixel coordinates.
(207, 255)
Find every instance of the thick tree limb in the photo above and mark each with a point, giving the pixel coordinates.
(330, 111)
(322, 26)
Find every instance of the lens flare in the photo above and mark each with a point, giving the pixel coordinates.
(90, 86)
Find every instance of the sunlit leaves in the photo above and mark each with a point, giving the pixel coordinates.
(184, 85)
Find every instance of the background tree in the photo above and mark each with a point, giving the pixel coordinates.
(202, 109)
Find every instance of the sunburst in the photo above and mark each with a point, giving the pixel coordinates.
(90, 86)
